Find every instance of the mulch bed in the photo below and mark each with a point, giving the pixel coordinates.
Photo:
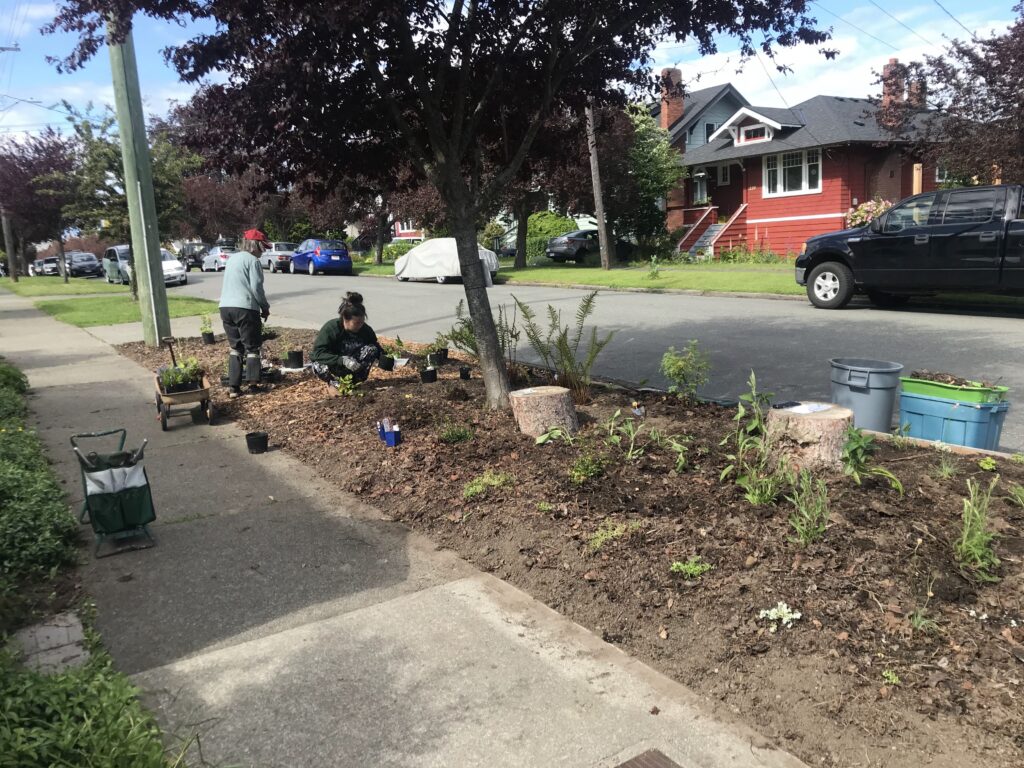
(898, 659)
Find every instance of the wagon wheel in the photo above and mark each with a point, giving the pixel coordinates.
(158, 404)
(209, 411)
(164, 412)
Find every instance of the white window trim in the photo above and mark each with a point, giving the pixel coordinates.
(941, 175)
(764, 175)
(743, 112)
(714, 128)
(741, 137)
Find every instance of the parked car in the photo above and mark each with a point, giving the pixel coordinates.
(438, 259)
(83, 264)
(318, 254)
(116, 261)
(174, 270)
(191, 255)
(35, 268)
(962, 240)
(576, 246)
(217, 258)
(278, 257)
(51, 265)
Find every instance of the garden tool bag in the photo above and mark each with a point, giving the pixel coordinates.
(117, 490)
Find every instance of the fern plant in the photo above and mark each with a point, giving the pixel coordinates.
(462, 335)
(558, 347)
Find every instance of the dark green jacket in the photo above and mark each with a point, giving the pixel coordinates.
(334, 342)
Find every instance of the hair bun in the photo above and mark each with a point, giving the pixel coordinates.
(354, 298)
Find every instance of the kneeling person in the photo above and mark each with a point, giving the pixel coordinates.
(346, 346)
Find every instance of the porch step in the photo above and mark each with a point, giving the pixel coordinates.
(706, 239)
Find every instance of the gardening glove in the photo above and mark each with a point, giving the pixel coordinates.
(369, 352)
(351, 363)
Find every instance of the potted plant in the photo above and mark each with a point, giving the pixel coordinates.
(428, 373)
(206, 329)
(437, 353)
(183, 377)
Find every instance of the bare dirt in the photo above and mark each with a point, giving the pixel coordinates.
(899, 658)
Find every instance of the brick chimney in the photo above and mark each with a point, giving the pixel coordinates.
(671, 97)
(917, 93)
(893, 83)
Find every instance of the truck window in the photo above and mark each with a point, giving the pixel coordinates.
(974, 206)
(913, 213)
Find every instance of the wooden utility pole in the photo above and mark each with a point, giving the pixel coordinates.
(595, 175)
(138, 183)
(12, 257)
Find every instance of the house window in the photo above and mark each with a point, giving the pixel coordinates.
(792, 173)
(723, 175)
(750, 133)
(700, 187)
(709, 129)
(941, 175)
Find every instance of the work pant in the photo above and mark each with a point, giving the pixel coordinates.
(244, 330)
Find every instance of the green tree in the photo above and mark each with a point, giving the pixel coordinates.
(549, 224)
(655, 168)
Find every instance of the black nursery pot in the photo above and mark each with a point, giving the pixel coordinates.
(208, 337)
(257, 442)
(442, 355)
(434, 359)
(386, 363)
(295, 358)
(428, 375)
(464, 372)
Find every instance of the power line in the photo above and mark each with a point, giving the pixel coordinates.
(803, 122)
(909, 29)
(954, 18)
(854, 26)
(36, 104)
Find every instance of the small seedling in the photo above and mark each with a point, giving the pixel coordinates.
(678, 444)
(947, 467)
(482, 483)
(545, 507)
(687, 370)
(455, 433)
(780, 614)
(973, 550)
(900, 440)
(810, 514)
(856, 458)
(988, 464)
(555, 433)
(624, 434)
(890, 677)
(1017, 494)
(654, 270)
(584, 468)
(205, 326)
(1017, 458)
(920, 622)
(609, 531)
(693, 568)
(347, 386)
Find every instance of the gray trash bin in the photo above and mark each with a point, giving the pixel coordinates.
(868, 388)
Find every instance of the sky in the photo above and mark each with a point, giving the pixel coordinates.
(862, 32)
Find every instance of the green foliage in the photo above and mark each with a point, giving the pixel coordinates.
(890, 677)
(545, 507)
(900, 440)
(810, 514)
(973, 550)
(624, 434)
(84, 716)
(205, 325)
(585, 467)
(1017, 458)
(654, 170)
(188, 371)
(920, 621)
(548, 224)
(856, 457)
(558, 348)
(394, 251)
(988, 464)
(555, 433)
(455, 433)
(482, 483)
(947, 466)
(1017, 494)
(348, 386)
(462, 335)
(687, 370)
(395, 349)
(760, 473)
(693, 568)
(654, 270)
(742, 254)
(491, 232)
(12, 379)
(677, 444)
(536, 250)
(609, 531)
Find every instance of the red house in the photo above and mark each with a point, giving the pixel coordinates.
(406, 230)
(770, 177)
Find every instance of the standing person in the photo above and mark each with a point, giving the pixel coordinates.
(242, 305)
(346, 346)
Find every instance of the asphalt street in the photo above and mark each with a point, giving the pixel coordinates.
(788, 343)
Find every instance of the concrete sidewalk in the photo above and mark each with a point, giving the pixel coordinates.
(289, 625)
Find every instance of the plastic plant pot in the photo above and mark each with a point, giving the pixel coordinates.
(208, 337)
(434, 359)
(295, 358)
(428, 375)
(966, 394)
(257, 442)
(464, 372)
(386, 363)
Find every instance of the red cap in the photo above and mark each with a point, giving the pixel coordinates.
(255, 234)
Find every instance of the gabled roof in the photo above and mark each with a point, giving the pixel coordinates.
(695, 103)
(819, 121)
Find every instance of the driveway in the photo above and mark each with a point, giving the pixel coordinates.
(786, 342)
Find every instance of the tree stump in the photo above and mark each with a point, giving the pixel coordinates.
(812, 440)
(538, 409)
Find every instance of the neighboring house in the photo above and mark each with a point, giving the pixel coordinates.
(406, 230)
(770, 177)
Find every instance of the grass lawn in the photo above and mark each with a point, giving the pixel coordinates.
(111, 310)
(54, 286)
(387, 268)
(738, 278)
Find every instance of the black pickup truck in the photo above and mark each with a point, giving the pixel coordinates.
(949, 241)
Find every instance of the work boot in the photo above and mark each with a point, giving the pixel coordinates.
(234, 392)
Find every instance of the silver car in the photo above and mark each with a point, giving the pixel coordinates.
(174, 270)
(278, 256)
(216, 258)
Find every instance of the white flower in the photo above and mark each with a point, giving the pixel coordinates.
(781, 613)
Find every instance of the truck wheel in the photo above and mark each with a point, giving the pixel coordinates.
(883, 299)
(830, 285)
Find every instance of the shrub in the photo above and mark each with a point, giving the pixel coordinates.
(686, 370)
(856, 458)
(743, 254)
(866, 211)
(536, 250)
(393, 251)
(548, 224)
(584, 468)
(462, 335)
(12, 379)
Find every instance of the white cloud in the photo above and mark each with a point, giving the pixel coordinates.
(39, 12)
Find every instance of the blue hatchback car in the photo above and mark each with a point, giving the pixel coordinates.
(317, 254)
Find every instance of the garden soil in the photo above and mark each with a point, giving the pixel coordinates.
(898, 658)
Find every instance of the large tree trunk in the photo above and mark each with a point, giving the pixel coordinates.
(491, 363)
(62, 264)
(522, 212)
